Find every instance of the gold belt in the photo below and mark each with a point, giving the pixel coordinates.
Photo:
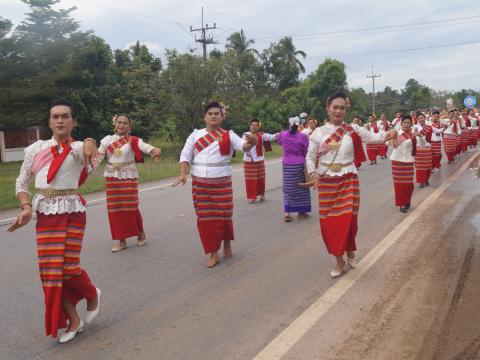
(336, 167)
(117, 166)
(55, 192)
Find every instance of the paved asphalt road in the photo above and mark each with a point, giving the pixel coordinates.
(159, 302)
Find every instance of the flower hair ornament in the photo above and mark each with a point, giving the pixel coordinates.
(114, 119)
(294, 120)
(347, 101)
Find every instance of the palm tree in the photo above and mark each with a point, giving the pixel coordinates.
(288, 50)
(239, 43)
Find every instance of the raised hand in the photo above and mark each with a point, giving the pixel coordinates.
(155, 154)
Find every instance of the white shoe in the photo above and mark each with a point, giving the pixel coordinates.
(351, 262)
(70, 335)
(334, 273)
(91, 314)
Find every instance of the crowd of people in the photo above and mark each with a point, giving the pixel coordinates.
(325, 157)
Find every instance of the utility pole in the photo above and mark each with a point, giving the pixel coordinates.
(373, 76)
(204, 40)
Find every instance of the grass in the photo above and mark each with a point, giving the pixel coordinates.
(148, 171)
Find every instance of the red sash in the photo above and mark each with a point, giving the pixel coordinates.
(386, 126)
(133, 143)
(357, 141)
(58, 159)
(261, 144)
(220, 135)
(404, 137)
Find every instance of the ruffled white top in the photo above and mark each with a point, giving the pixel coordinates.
(128, 171)
(345, 153)
(66, 178)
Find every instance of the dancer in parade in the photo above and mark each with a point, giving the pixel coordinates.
(59, 166)
(121, 178)
(208, 151)
(396, 123)
(450, 137)
(296, 199)
(372, 147)
(356, 125)
(474, 128)
(254, 162)
(383, 125)
(338, 145)
(437, 131)
(402, 157)
(423, 157)
(311, 126)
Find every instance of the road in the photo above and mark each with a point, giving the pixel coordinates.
(418, 300)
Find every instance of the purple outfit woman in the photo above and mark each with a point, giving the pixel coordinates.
(295, 148)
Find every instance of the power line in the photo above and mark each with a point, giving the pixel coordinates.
(204, 40)
(373, 76)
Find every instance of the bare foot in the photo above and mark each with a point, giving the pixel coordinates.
(288, 217)
(73, 324)
(92, 304)
(141, 236)
(227, 249)
(214, 260)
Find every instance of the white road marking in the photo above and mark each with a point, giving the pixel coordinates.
(158, 187)
(300, 326)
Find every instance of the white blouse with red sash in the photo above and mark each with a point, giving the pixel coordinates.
(38, 158)
(253, 155)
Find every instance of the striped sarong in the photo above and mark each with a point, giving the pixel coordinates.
(59, 243)
(338, 205)
(403, 182)
(449, 143)
(465, 138)
(213, 203)
(295, 198)
(122, 206)
(423, 163)
(372, 151)
(472, 137)
(254, 178)
(382, 149)
(436, 154)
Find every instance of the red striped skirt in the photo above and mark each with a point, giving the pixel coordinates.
(450, 143)
(403, 182)
(436, 154)
(338, 204)
(465, 138)
(472, 137)
(423, 163)
(254, 178)
(213, 203)
(382, 149)
(122, 205)
(372, 151)
(59, 243)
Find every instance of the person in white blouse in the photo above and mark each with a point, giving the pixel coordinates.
(437, 131)
(208, 151)
(423, 156)
(402, 157)
(336, 146)
(310, 126)
(254, 162)
(397, 121)
(121, 178)
(59, 167)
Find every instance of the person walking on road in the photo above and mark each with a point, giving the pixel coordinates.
(437, 131)
(208, 151)
(402, 157)
(338, 146)
(254, 162)
(372, 147)
(59, 167)
(121, 179)
(423, 157)
(296, 199)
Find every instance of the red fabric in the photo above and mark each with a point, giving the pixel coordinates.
(136, 150)
(403, 182)
(338, 233)
(382, 149)
(213, 203)
(254, 178)
(358, 153)
(57, 161)
(436, 154)
(78, 288)
(429, 132)
(224, 143)
(359, 156)
(122, 204)
(372, 152)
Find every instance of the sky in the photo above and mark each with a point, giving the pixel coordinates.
(436, 42)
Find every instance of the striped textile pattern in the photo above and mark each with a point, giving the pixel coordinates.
(437, 148)
(338, 195)
(122, 194)
(449, 142)
(402, 172)
(208, 139)
(213, 198)
(423, 158)
(254, 178)
(58, 248)
(372, 151)
(295, 197)
(472, 137)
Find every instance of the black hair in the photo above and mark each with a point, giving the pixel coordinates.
(293, 129)
(254, 120)
(420, 113)
(61, 102)
(451, 111)
(335, 95)
(436, 112)
(124, 115)
(211, 105)
(406, 117)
